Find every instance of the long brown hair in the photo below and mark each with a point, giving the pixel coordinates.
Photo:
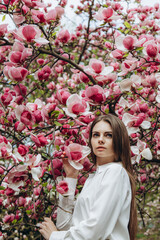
(121, 147)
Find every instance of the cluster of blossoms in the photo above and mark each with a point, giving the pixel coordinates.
(53, 85)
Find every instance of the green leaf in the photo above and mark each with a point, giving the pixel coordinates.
(45, 184)
(55, 113)
(2, 188)
(126, 55)
(31, 77)
(98, 113)
(3, 18)
(127, 31)
(28, 211)
(14, 221)
(21, 163)
(57, 123)
(71, 123)
(139, 48)
(57, 147)
(107, 111)
(105, 5)
(127, 25)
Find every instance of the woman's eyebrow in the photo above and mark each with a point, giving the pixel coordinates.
(104, 132)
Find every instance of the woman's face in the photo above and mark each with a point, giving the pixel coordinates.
(102, 143)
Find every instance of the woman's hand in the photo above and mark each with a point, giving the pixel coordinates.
(70, 171)
(46, 228)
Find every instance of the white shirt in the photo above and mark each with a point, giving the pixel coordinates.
(102, 209)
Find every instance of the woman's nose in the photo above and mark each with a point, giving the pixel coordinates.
(101, 140)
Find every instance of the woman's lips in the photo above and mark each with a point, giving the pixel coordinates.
(101, 148)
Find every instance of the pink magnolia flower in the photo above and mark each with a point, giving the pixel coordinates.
(59, 69)
(33, 3)
(133, 123)
(96, 65)
(18, 19)
(17, 74)
(1, 170)
(17, 177)
(6, 98)
(87, 118)
(57, 165)
(95, 94)
(106, 14)
(21, 201)
(143, 178)
(40, 61)
(40, 140)
(3, 29)
(20, 89)
(128, 66)
(126, 84)
(23, 150)
(53, 14)
(8, 218)
(33, 162)
(75, 153)
(76, 105)
(62, 95)
(44, 73)
(83, 77)
(5, 149)
(29, 33)
(151, 49)
(118, 54)
(15, 57)
(19, 126)
(38, 16)
(24, 115)
(128, 42)
(140, 150)
(62, 187)
(63, 36)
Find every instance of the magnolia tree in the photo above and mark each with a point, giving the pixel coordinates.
(54, 82)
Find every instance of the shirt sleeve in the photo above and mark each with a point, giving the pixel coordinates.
(66, 206)
(105, 211)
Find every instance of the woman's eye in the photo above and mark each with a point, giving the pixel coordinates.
(95, 135)
(109, 135)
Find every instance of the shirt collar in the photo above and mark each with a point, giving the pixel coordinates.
(101, 168)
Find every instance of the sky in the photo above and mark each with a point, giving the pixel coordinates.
(70, 18)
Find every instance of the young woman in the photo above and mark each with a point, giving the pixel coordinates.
(105, 209)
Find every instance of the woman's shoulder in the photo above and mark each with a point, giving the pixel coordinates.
(114, 170)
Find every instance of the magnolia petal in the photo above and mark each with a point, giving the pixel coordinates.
(136, 159)
(15, 186)
(69, 113)
(36, 173)
(41, 40)
(18, 156)
(123, 103)
(146, 153)
(127, 118)
(18, 111)
(119, 43)
(107, 70)
(132, 130)
(135, 150)
(158, 98)
(38, 160)
(125, 85)
(145, 124)
(85, 151)
(76, 165)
